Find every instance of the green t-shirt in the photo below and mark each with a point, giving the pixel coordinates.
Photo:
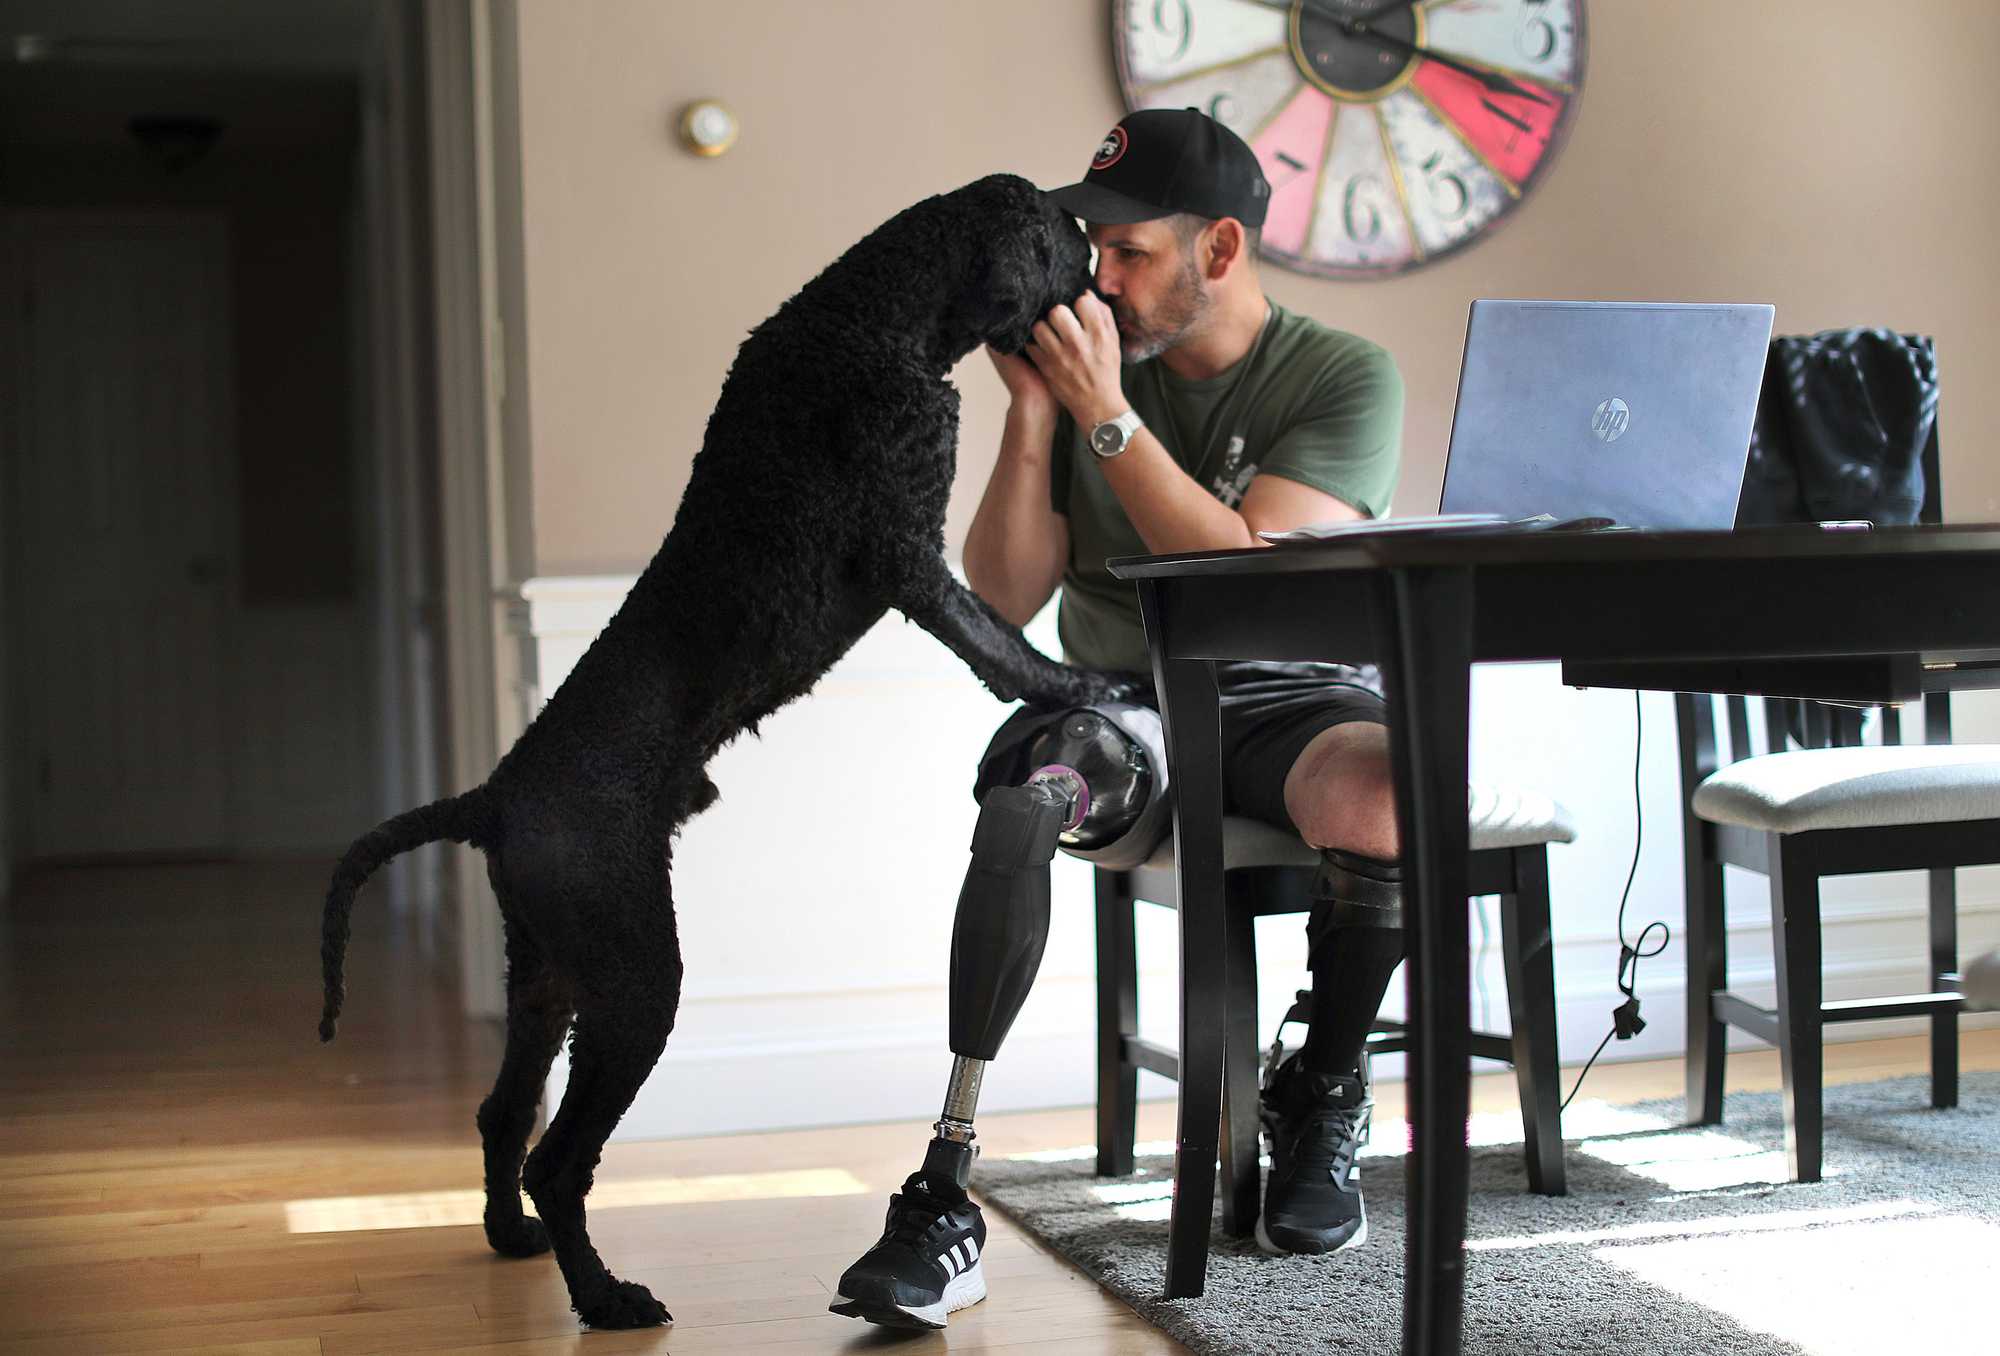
(1312, 404)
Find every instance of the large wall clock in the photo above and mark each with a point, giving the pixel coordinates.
(1394, 132)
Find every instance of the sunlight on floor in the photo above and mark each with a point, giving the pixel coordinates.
(1858, 1289)
(1694, 1160)
(1709, 1226)
(1149, 1198)
(447, 1209)
(1077, 1153)
(1649, 1146)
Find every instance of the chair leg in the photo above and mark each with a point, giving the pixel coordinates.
(1117, 1018)
(1944, 961)
(1707, 975)
(1528, 951)
(1240, 1184)
(1795, 952)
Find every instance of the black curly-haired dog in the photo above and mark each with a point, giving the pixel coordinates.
(816, 504)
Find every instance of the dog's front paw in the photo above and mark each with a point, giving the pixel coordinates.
(623, 1304)
(521, 1236)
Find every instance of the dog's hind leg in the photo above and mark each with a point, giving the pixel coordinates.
(619, 1035)
(538, 1013)
(925, 591)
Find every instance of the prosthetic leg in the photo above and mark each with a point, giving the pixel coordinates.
(1094, 783)
(1091, 784)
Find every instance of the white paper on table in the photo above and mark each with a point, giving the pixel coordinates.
(1432, 522)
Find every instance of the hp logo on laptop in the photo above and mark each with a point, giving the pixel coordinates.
(1610, 419)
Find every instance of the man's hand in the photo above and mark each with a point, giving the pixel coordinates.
(1075, 348)
(1026, 391)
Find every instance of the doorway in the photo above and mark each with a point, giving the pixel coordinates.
(120, 502)
(219, 499)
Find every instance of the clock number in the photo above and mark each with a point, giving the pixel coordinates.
(1537, 36)
(1216, 107)
(1352, 200)
(1292, 163)
(1453, 189)
(1180, 31)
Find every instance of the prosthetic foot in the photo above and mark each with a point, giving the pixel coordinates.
(1093, 784)
(926, 1264)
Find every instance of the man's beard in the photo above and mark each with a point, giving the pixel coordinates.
(1178, 316)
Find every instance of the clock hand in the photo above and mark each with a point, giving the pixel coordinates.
(1361, 26)
(1493, 80)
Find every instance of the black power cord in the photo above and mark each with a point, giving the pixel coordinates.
(1625, 1019)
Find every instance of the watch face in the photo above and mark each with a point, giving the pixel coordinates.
(1106, 439)
(1390, 141)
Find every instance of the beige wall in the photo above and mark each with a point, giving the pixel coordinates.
(1809, 153)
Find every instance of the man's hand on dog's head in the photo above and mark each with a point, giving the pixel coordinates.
(1075, 348)
(1027, 392)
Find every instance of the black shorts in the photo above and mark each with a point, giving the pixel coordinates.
(1270, 712)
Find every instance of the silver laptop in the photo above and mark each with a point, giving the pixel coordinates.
(1635, 411)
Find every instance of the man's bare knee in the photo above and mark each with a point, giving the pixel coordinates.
(1340, 792)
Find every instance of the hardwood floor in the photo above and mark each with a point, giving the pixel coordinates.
(183, 1167)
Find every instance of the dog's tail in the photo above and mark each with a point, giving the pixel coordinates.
(461, 819)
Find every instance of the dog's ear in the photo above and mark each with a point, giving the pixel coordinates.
(1011, 281)
(1020, 263)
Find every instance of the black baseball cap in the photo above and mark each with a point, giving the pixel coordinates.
(1160, 161)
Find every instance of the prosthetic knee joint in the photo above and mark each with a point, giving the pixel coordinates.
(1096, 790)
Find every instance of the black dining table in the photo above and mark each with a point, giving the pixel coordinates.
(1858, 616)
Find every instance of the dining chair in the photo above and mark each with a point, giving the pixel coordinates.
(1816, 801)
(1270, 871)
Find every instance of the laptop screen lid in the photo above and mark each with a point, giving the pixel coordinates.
(1636, 411)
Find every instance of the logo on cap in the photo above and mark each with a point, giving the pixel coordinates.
(1113, 147)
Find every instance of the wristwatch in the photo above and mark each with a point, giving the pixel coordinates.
(1110, 438)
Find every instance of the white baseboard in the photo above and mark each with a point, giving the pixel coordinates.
(830, 1059)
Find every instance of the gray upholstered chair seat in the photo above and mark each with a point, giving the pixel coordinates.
(1499, 817)
(1514, 816)
(1810, 789)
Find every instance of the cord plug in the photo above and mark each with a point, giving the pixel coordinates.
(1626, 1021)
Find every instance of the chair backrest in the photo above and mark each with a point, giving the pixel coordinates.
(1791, 722)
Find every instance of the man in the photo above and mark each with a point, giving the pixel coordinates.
(1179, 409)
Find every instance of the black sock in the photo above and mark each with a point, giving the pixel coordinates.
(1351, 968)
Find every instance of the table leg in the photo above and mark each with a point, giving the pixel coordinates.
(1426, 619)
(1191, 712)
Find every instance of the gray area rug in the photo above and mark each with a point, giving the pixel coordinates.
(1671, 1239)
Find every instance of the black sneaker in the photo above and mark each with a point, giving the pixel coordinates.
(926, 1264)
(1314, 1125)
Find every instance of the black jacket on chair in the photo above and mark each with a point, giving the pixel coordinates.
(1842, 423)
